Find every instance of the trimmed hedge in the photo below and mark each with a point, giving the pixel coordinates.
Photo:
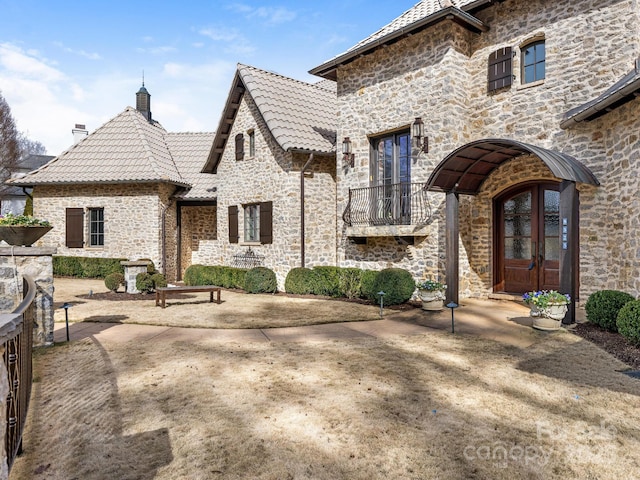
(602, 307)
(227, 277)
(113, 281)
(144, 283)
(628, 321)
(261, 280)
(326, 281)
(396, 283)
(351, 282)
(299, 281)
(86, 267)
(158, 280)
(367, 285)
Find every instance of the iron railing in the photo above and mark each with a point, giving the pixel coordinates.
(392, 204)
(16, 334)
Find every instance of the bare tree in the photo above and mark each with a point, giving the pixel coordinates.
(15, 146)
(10, 151)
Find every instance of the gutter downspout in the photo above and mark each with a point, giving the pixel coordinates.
(302, 230)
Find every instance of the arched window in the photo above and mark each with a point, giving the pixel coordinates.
(533, 62)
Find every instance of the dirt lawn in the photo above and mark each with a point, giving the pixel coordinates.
(425, 406)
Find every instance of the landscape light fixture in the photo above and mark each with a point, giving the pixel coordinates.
(347, 153)
(417, 132)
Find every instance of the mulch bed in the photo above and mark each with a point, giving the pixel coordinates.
(611, 342)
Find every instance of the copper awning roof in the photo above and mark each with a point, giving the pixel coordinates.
(464, 170)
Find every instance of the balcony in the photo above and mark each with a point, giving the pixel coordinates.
(400, 209)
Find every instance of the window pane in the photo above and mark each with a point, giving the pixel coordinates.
(251, 223)
(517, 248)
(529, 74)
(552, 225)
(519, 204)
(551, 248)
(540, 71)
(517, 226)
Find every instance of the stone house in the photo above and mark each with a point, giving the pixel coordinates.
(493, 145)
(129, 190)
(274, 148)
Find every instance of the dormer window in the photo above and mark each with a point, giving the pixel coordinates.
(533, 62)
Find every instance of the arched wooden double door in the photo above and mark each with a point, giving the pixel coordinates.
(527, 238)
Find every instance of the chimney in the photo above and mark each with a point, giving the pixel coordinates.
(79, 133)
(143, 102)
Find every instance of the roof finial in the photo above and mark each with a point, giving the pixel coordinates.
(143, 77)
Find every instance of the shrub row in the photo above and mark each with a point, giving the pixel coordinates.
(147, 282)
(227, 277)
(86, 267)
(615, 311)
(397, 283)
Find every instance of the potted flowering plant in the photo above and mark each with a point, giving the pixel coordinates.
(548, 308)
(22, 229)
(431, 292)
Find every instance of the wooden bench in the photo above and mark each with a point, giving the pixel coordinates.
(161, 292)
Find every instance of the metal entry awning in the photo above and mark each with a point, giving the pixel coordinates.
(464, 170)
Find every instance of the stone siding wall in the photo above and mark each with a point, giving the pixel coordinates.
(440, 74)
(273, 175)
(199, 233)
(132, 219)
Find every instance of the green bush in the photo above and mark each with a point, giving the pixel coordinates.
(261, 280)
(367, 285)
(144, 283)
(151, 268)
(86, 267)
(351, 282)
(602, 307)
(299, 281)
(158, 280)
(396, 283)
(113, 281)
(227, 277)
(628, 321)
(326, 281)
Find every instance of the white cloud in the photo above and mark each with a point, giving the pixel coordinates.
(81, 53)
(236, 43)
(157, 50)
(17, 61)
(272, 15)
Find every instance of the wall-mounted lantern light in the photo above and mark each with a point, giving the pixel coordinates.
(347, 153)
(417, 132)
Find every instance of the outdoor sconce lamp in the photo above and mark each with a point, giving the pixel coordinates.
(417, 132)
(347, 153)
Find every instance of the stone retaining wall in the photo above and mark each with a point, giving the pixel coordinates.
(37, 262)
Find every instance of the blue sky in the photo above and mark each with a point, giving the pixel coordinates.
(68, 62)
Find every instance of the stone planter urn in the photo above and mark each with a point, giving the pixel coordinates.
(550, 318)
(432, 300)
(22, 235)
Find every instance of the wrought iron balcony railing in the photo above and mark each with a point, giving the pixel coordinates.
(16, 339)
(392, 204)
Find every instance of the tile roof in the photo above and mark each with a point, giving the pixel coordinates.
(189, 151)
(419, 16)
(126, 149)
(300, 115)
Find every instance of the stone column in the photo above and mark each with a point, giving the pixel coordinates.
(131, 271)
(37, 262)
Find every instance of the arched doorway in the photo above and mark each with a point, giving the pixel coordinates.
(527, 238)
